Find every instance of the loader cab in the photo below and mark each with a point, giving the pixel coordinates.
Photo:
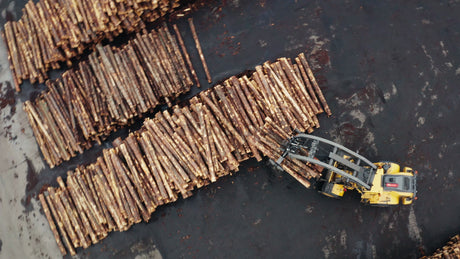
(391, 186)
(395, 179)
(399, 183)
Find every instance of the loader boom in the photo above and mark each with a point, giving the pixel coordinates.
(344, 169)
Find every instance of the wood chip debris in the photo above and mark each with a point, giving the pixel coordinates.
(182, 149)
(51, 33)
(106, 92)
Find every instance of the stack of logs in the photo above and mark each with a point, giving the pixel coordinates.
(107, 91)
(450, 251)
(186, 148)
(53, 31)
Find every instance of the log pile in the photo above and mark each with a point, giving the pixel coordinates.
(51, 32)
(450, 251)
(185, 148)
(107, 91)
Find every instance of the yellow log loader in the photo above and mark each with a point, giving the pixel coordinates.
(380, 184)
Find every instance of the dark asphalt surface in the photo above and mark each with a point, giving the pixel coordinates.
(390, 73)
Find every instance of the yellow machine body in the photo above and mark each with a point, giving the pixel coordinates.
(383, 191)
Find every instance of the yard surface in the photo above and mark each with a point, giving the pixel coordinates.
(390, 72)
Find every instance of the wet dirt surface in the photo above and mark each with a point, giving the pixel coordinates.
(390, 73)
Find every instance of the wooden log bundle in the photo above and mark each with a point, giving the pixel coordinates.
(107, 91)
(185, 148)
(450, 251)
(270, 139)
(51, 32)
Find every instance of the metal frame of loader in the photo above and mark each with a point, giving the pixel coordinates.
(356, 171)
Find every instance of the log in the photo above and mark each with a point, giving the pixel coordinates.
(75, 221)
(108, 198)
(303, 75)
(297, 111)
(192, 141)
(207, 146)
(169, 156)
(60, 224)
(315, 84)
(52, 225)
(186, 55)
(85, 217)
(86, 201)
(147, 144)
(156, 186)
(268, 96)
(170, 170)
(98, 196)
(136, 206)
(76, 242)
(115, 185)
(149, 203)
(200, 51)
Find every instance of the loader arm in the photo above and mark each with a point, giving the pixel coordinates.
(380, 184)
(330, 155)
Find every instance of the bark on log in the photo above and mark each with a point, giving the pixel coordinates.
(200, 51)
(52, 225)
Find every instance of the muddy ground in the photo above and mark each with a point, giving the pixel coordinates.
(390, 72)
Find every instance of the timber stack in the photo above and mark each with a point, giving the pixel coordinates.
(52, 32)
(114, 86)
(450, 251)
(185, 148)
